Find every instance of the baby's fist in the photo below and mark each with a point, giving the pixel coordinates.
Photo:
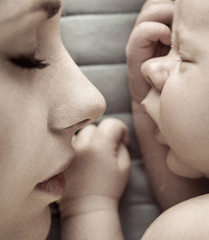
(100, 169)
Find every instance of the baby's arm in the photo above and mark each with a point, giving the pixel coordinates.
(185, 221)
(95, 182)
(151, 37)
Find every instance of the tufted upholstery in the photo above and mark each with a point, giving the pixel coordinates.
(95, 33)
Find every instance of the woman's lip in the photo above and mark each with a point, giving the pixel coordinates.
(59, 170)
(54, 184)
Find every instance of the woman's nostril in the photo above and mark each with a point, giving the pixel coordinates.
(77, 127)
(81, 125)
(84, 122)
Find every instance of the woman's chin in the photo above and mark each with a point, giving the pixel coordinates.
(41, 225)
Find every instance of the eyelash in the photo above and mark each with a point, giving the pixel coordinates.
(29, 62)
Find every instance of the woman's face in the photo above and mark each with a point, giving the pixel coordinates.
(44, 99)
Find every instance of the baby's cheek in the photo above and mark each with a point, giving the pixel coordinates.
(181, 168)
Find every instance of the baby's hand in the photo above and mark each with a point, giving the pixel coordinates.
(151, 37)
(99, 172)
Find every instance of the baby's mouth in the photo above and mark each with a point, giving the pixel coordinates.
(159, 137)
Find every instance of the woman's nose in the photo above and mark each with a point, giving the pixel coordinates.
(76, 102)
(156, 72)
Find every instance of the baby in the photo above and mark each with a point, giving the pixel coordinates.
(151, 38)
(170, 103)
(172, 88)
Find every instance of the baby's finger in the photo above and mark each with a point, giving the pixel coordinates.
(152, 32)
(114, 130)
(140, 48)
(142, 38)
(157, 11)
(124, 161)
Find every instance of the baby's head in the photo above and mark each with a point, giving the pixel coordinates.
(179, 100)
(44, 99)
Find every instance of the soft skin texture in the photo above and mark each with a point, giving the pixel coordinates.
(151, 68)
(40, 111)
(178, 102)
(96, 180)
(185, 221)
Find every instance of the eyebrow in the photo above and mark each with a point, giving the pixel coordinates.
(50, 7)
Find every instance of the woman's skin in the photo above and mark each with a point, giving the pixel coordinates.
(42, 104)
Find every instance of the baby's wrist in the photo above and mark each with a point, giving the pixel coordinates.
(92, 222)
(87, 205)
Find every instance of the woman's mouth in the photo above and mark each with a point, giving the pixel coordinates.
(54, 186)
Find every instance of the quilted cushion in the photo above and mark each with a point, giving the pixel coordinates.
(95, 33)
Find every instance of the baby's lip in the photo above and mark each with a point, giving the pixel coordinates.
(151, 105)
(159, 137)
(143, 107)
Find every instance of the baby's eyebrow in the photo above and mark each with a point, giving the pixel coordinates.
(50, 7)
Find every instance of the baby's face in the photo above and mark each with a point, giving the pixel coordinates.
(42, 104)
(179, 100)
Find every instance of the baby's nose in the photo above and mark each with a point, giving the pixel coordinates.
(155, 72)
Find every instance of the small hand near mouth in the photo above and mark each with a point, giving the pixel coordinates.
(96, 179)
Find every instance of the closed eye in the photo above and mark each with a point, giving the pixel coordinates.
(185, 60)
(28, 62)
